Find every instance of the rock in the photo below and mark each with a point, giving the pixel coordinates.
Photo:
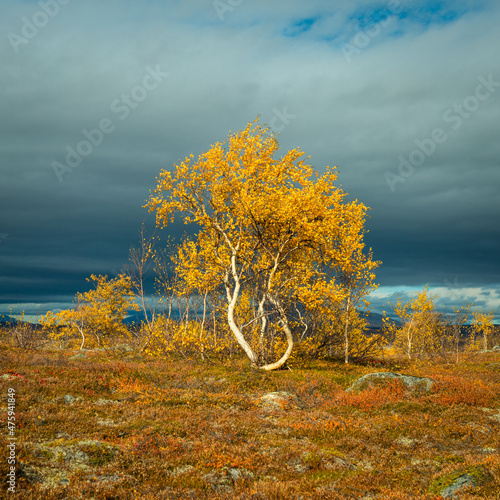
(183, 469)
(58, 461)
(102, 402)
(240, 474)
(412, 383)
(496, 417)
(11, 376)
(124, 348)
(68, 399)
(458, 484)
(406, 442)
(106, 422)
(222, 480)
(301, 468)
(450, 484)
(78, 356)
(337, 462)
(277, 400)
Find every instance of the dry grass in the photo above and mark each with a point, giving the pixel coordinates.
(137, 428)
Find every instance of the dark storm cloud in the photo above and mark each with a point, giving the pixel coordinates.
(136, 88)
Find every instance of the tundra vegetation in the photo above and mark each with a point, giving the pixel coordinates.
(239, 381)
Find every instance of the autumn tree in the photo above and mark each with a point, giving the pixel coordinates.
(422, 331)
(331, 340)
(271, 230)
(142, 260)
(456, 324)
(482, 325)
(98, 313)
(357, 278)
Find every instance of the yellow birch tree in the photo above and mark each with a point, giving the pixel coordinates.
(422, 330)
(98, 313)
(269, 228)
(482, 325)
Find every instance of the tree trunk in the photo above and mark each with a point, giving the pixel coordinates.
(202, 326)
(232, 300)
(263, 326)
(346, 331)
(289, 337)
(236, 331)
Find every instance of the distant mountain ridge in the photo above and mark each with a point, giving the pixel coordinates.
(4, 318)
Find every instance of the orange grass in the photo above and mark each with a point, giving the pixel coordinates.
(184, 429)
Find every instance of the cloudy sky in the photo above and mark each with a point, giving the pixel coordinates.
(98, 97)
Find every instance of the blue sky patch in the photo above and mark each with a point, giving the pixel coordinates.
(424, 14)
(299, 27)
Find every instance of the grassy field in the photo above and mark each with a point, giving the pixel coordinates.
(115, 425)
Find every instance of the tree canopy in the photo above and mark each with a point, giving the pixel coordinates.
(273, 231)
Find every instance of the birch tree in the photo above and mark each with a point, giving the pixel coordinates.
(98, 313)
(272, 228)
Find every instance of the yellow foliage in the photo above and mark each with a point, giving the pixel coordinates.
(273, 229)
(167, 337)
(423, 331)
(98, 313)
(482, 326)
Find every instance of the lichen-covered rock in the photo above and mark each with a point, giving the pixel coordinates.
(60, 458)
(447, 486)
(11, 376)
(68, 399)
(277, 400)
(103, 402)
(406, 442)
(412, 383)
(78, 356)
(457, 485)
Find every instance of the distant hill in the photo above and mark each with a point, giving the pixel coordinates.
(375, 319)
(137, 317)
(4, 318)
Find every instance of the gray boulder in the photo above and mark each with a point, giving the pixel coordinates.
(412, 383)
(459, 483)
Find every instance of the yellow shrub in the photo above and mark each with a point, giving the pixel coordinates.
(170, 337)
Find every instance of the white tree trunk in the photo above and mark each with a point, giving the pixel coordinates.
(288, 333)
(232, 298)
(346, 330)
